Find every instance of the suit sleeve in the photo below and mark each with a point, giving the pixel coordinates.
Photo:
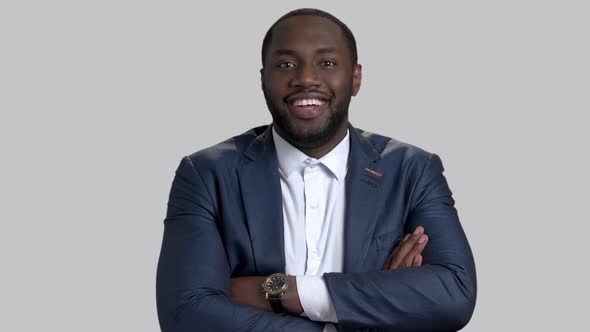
(193, 276)
(438, 296)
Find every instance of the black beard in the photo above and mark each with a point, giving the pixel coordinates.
(309, 140)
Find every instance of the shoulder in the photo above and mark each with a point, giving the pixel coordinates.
(393, 150)
(408, 163)
(224, 155)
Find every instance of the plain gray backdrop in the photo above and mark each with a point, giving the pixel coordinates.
(99, 101)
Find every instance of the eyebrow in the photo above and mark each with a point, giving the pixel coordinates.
(283, 51)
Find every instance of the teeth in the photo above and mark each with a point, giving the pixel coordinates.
(308, 102)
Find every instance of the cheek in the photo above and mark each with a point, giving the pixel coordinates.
(277, 86)
(339, 83)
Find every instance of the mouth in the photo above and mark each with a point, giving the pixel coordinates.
(307, 106)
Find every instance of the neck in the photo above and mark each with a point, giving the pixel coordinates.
(319, 151)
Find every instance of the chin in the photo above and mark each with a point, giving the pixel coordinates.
(310, 137)
(311, 133)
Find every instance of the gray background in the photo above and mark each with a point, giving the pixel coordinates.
(99, 101)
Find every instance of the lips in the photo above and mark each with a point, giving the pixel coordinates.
(307, 105)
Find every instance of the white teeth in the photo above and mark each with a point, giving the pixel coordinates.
(307, 102)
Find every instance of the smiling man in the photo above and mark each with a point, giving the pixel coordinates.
(309, 75)
(311, 224)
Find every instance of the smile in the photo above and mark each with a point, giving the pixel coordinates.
(308, 102)
(307, 108)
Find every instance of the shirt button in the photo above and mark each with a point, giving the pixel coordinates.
(315, 205)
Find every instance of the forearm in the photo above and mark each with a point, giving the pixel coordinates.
(206, 311)
(427, 298)
(311, 293)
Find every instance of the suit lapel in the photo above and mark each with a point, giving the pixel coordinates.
(363, 183)
(261, 195)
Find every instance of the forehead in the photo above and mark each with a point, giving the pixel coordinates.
(299, 33)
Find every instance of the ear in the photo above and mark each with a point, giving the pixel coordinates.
(357, 77)
(262, 77)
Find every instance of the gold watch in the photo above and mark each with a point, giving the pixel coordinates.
(274, 287)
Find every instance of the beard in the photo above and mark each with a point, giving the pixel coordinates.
(314, 137)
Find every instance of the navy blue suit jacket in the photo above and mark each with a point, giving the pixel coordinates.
(225, 220)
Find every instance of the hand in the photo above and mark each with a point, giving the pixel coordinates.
(248, 290)
(408, 252)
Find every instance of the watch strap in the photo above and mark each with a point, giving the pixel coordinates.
(276, 304)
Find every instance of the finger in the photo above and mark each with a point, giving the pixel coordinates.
(390, 257)
(417, 260)
(394, 252)
(415, 257)
(406, 247)
(415, 251)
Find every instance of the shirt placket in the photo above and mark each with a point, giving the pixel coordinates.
(313, 217)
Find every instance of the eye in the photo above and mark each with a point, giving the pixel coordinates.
(286, 65)
(328, 63)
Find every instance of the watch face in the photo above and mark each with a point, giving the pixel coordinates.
(275, 284)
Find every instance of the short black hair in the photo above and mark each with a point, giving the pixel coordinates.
(313, 12)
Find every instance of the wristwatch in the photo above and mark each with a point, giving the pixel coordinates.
(275, 286)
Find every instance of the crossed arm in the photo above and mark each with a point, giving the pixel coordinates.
(195, 292)
(247, 290)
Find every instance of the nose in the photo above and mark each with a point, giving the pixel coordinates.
(305, 77)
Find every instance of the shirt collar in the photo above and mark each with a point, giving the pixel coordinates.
(290, 158)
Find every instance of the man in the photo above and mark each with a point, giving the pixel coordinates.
(311, 224)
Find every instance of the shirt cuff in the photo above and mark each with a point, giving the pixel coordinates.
(316, 300)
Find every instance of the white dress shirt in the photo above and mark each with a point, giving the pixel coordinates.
(313, 192)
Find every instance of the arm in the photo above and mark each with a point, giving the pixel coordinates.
(246, 290)
(438, 296)
(193, 276)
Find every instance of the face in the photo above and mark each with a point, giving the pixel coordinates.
(308, 79)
